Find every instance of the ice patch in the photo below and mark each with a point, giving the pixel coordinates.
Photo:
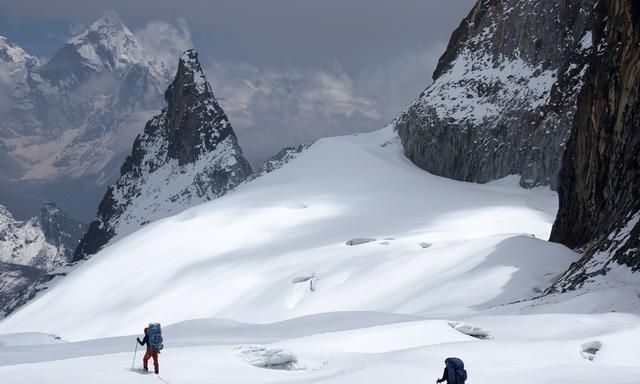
(262, 357)
(470, 330)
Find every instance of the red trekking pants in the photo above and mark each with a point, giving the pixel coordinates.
(147, 356)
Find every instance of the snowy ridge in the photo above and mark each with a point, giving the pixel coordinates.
(278, 160)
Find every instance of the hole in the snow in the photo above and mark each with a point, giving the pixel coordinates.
(311, 278)
(589, 349)
(359, 240)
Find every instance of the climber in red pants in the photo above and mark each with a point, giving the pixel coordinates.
(149, 354)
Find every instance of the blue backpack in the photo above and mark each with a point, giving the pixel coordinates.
(456, 374)
(155, 337)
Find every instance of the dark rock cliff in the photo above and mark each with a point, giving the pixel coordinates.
(503, 97)
(599, 188)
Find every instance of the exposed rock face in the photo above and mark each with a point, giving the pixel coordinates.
(62, 123)
(279, 160)
(29, 249)
(188, 154)
(503, 97)
(600, 180)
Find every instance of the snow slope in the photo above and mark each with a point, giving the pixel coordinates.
(237, 256)
(264, 276)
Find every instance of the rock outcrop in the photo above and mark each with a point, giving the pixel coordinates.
(187, 155)
(503, 97)
(599, 188)
(278, 160)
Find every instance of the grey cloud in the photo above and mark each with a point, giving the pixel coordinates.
(285, 71)
(5, 87)
(270, 110)
(165, 41)
(275, 32)
(394, 83)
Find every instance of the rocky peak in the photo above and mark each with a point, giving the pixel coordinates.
(187, 155)
(196, 123)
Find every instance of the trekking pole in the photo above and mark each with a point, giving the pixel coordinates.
(134, 355)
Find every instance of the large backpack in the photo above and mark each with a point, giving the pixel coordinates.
(155, 337)
(455, 371)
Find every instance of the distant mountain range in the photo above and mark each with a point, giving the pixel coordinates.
(65, 124)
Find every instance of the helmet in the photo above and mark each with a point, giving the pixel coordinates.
(146, 329)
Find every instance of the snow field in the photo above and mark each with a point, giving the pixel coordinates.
(236, 256)
(531, 348)
(250, 258)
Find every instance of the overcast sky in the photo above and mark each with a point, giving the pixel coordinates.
(286, 71)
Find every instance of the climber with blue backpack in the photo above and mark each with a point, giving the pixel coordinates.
(454, 372)
(153, 340)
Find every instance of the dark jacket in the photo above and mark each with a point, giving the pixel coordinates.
(445, 375)
(145, 341)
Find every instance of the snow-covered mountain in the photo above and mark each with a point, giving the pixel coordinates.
(504, 93)
(29, 249)
(344, 262)
(187, 155)
(105, 46)
(63, 123)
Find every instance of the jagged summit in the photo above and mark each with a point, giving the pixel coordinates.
(197, 123)
(107, 45)
(187, 155)
(191, 67)
(108, 24)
